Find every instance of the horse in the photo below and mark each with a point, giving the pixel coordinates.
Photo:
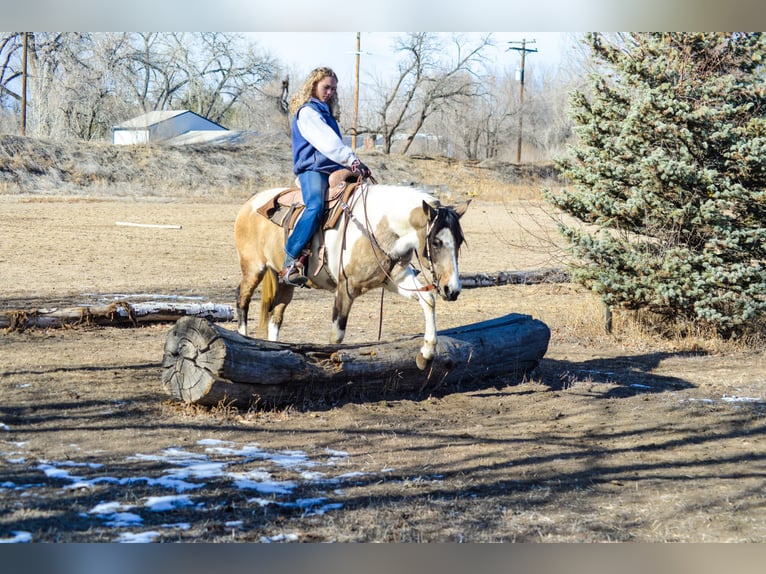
(381, 230)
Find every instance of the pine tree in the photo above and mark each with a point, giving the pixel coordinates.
(668, 176)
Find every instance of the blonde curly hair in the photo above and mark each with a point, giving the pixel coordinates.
(306, 91)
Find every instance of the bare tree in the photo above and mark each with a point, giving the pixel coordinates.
(221, 68)
(426, 83)
(263, 110)
(93, 94)
(51, 62)
(80, 84)
(487, 126)
(476, 127)
(152, 71)
(10, 48)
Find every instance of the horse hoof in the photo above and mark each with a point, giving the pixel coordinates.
(422, 362)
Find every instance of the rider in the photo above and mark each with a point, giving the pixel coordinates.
(318, 150)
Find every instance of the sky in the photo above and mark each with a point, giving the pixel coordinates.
(381, 15)
(300, 52)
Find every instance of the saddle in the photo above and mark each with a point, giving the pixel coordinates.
(285, 207)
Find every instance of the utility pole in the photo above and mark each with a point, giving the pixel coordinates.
(356, 90)
(520, 76)
(24, 85)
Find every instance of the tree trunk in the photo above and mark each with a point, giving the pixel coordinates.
(116, 314)
(208, 365)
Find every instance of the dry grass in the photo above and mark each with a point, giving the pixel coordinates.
(620, 437)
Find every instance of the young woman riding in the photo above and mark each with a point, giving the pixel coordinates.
(318, 150)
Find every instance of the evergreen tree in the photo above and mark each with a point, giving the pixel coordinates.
(668, 176)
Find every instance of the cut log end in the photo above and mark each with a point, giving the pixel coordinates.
(193, 359)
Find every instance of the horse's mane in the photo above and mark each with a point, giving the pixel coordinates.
(451, 221)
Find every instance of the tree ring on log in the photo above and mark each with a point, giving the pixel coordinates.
(193, 350)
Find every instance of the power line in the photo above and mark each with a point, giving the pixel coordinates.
(523, 49)
(24, 84)
(357, 54)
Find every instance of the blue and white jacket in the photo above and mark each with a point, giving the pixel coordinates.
(317, 143)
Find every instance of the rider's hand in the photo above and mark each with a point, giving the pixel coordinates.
(358, 168)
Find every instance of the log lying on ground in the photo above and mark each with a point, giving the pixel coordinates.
(533, 277)
(116, 314)
(206, 364)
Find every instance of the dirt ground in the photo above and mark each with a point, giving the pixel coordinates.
(612, 438)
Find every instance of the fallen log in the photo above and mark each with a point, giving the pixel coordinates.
(208, 365)
(120, 313)
(533, 277)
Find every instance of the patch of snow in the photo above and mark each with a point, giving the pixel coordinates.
(279, 538)
(165, 503)
(19, 537)
(181, 470)
(264, 485)
(137, 537)
(199, 470)
(109, 507)
(312, 475)
(738, 399)
(213, 442)
(122, 519)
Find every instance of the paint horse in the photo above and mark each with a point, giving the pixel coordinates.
(381, 233)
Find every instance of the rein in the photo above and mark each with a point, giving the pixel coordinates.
(376, 245)
(347, 209)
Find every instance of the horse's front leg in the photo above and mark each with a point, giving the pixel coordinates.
(340, 311)
(411, 288)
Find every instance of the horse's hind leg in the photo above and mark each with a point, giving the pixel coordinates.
(247, 285)
(274, 298)
(280, 296)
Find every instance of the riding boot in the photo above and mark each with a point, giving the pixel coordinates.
(293, 273)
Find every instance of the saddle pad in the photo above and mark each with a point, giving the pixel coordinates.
(280, 198)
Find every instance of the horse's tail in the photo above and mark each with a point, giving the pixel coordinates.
(268, 293)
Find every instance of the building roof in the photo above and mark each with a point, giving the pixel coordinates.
(153, 118)
(204, 136)
(150, 118)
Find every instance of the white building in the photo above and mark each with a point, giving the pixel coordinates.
(173, 126)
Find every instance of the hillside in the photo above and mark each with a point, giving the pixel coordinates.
(39, 167)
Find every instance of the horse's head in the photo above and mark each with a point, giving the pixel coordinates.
(443, 239)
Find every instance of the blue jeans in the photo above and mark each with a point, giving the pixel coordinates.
(314, 186)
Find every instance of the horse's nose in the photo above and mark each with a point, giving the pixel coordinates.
(451, 294)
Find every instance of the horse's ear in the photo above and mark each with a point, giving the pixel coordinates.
(429, 210)
(461, 208)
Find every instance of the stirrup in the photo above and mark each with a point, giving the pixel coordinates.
(292, 275)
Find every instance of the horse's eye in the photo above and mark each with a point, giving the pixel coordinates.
(437, 243)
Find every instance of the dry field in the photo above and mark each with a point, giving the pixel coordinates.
(625, 437)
